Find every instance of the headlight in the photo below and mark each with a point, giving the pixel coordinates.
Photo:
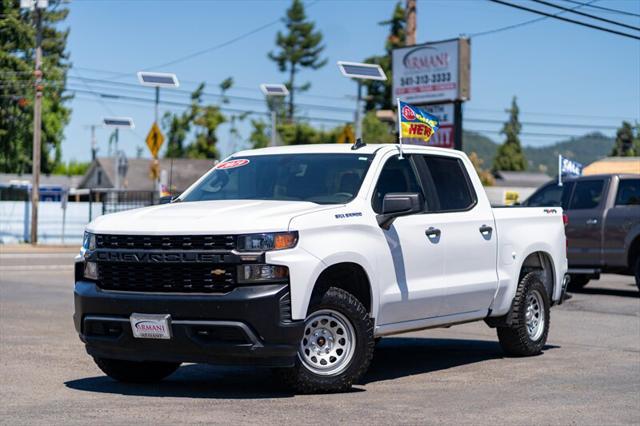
(262, 273)
(89, 241)
(270, 241)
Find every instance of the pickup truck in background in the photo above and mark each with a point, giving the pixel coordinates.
(300, 257)
(603, 232)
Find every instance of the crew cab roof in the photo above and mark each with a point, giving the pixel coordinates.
(338, 148)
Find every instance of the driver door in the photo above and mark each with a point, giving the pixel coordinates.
(410, 291)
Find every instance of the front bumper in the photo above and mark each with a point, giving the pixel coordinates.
(249, 325)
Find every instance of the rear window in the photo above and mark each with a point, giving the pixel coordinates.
(587, 195)
(628, 193)
(451, 184)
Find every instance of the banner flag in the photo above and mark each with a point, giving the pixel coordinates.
(416, 123)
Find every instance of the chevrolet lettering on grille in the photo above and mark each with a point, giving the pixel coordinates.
(159, 257)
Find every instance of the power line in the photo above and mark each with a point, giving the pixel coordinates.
(622, 12)
(522, 24)
(584, 24)
(212, 48)
(588, 15)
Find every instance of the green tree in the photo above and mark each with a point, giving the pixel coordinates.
(17, 43)
(379, 92)
(259, 137)
(71, 168)
(198, 120)
(627, 144)
(375, 131)
(300, 48)
(510, 156)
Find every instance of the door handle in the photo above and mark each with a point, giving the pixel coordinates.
(485, 229)
(592, 221)
(432, 232)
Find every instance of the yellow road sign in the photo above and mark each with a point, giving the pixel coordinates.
(347, 135)
(155, 139)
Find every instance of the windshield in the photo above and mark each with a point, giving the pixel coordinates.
(318, 178)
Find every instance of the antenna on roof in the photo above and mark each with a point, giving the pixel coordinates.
(358, 144)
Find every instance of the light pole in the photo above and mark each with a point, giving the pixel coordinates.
(360, 71)
(274, 91)
(117, 123)
(36, 6)
(158, 80)
(155, 137)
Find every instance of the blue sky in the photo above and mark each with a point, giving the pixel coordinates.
(561, 73)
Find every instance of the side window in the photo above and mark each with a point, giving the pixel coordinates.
(396, 176)
(587, 195)
(628, 193)
(566, 194)
(451, 183)
(548, 196)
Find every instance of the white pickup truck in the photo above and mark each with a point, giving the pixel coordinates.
(300, 257)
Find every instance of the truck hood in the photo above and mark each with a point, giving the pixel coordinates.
(205, 217)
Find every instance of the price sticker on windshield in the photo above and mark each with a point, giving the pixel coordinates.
(232, 164)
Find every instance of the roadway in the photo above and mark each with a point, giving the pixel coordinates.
(589, 372)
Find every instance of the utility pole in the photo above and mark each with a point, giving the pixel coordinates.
(411, 22)
(358, 113)
(37, 124)
(94, 143)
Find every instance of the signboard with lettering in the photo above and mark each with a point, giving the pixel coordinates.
(432, 72)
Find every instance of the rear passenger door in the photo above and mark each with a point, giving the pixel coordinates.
(584, 231)
(621, 221)
(467, 234)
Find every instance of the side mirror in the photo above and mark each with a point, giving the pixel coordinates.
(399, 204)
(166, 199)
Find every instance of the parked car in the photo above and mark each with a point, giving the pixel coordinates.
(299, 257)
(603, 231)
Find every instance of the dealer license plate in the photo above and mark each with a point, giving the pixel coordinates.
(151, 326)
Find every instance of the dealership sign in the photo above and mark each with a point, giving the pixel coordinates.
(432, 72)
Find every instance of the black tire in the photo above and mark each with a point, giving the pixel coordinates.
(514, 338)
(136, 372)
(304, 380)
(578, 282)
(637, 272)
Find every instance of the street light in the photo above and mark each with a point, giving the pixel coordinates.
(158, 80)
(118, 123)
(360, 71)
(276, 90)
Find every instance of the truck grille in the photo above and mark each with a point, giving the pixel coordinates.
(167, 278)
(159, 242)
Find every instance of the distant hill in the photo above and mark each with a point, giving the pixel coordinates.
(584, 149)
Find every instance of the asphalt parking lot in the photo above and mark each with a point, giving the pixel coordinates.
(589, 372)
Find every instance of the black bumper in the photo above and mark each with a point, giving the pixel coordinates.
(249, 325)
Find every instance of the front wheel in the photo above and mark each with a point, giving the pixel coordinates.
(136, 372)
(336, 347)
(528, 320)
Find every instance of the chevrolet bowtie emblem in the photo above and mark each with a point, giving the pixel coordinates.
(218, 272)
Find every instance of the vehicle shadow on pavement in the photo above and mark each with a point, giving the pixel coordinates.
(397, 357)
(632, 292)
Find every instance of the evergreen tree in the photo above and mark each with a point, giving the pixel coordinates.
(510, 156)
(300, 48)
(379, 92)
(17, 47)
(626, 142)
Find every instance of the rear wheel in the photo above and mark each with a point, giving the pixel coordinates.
(637, 272)
(578, 282)
(136, 372)
(528, 320)
(336, 347)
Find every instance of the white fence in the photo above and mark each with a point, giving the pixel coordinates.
(55, 226)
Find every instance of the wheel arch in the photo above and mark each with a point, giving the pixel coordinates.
(349, 276)
(634, 251)
(540, 261)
